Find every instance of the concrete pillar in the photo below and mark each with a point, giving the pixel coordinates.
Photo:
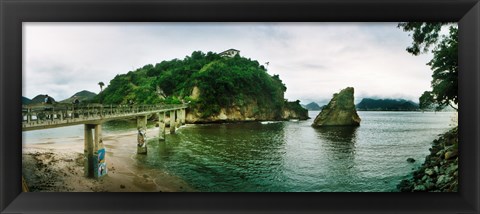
(161, 126)
(94, 151)
(177, 118)
(99, 153)
(142, 134)
(29, 115)
(184, 115)
(88, 151)
(172, 122)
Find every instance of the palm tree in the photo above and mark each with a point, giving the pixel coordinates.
(101, 84)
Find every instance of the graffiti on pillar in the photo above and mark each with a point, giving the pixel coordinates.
(141, 137)
(102, 165)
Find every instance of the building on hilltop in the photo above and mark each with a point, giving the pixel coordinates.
(229, 53)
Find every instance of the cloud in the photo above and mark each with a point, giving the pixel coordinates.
(314, 60)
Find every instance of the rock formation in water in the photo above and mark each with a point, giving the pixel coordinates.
(340, 111)
(249, 112)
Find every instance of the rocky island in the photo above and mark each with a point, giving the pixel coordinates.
(340, 111)
(218, 88)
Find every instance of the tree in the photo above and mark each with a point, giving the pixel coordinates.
(101, 84)
(444, 63)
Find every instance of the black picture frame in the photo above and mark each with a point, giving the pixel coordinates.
(14, 12)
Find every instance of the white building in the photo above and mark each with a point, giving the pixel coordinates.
(229, 53)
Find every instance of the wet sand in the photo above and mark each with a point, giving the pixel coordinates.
(56, 165)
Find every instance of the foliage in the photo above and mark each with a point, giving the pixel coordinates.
(425, 34)
(444, 63)
(445, 70)
(237, 81)
(222, 82)
(427, 100)
(101, 84)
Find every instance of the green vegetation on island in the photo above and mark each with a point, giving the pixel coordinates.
(217, 88)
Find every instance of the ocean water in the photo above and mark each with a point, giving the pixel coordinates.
(292, 156)
(289, 156)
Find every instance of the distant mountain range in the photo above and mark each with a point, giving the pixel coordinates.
(368, 104)
(313, 107)
(26, 101)
(82, 96)
(37, 99)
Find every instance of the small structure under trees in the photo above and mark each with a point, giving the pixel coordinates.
(229, 53)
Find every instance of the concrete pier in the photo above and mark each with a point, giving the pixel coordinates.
(184, 115)
(94, 151)
(88, 150)
(177, 119)
(142, 134)
(92, 116)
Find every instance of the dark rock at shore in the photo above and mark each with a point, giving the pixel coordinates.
(410, 160)
(439, 172)
(340, 111)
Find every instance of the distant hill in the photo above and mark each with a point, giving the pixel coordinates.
(26, 101)
(368, 104)
(313, 107)
(40, 99)
(82, 96)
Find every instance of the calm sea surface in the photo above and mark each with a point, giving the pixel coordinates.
(290, 156)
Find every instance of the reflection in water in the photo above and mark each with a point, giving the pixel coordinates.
(345, 134)
(338, 140)
(338, 144)
(162, 150)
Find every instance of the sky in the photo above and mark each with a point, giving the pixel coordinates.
(314, 60)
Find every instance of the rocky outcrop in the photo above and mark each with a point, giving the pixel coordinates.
(293, 110)
(195, 93)
(439, 172)
(234, 114)
(249, 110)
(289, 114)
(340, 111)
(247, 113)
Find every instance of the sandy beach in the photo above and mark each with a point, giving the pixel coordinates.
(56, 165)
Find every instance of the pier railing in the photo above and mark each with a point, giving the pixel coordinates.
(48, 116)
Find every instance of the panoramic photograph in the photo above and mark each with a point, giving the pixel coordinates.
(240, 107)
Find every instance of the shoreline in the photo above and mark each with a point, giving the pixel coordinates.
(53, 165)
(439, 172)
